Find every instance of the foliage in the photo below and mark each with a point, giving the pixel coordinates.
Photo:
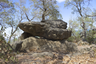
(77, 31)
(91, 36)
(54, 14)
(88, 21)
(9, 19)
(6, 20)
(75, 28)
(6, 53)
(46, 9)
(6, 8)
(71, 39)
(74, 38)
(79, 6)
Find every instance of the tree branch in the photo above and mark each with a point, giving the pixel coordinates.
(90, 16)
(28, 18)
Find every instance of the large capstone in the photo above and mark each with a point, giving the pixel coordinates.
(55, 24)
(49, 29)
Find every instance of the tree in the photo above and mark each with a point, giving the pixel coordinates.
(9, 18)
(6, 16)
(79, 6)
(27, 11)
(14, 26)
(5, 4)
(46, 9)
(5, 12)
(75, 28)
(6, 9)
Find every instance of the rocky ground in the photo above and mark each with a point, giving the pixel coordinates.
(45, 43)
(86, 55)
(29, 58)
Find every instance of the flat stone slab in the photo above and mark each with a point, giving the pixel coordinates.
(54, 30)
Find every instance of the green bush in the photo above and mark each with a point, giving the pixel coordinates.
(90, 36)
(6, 53)
(89, 39)
(73, 38)
(70, 39)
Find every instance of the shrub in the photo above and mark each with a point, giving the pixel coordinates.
(73, 39)
(70, 39)
(90, 37)
(6, 53)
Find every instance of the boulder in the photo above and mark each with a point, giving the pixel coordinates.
(57, 34)
(33, 28)
(55, 24)
(81, 42)
(35, 44)
(54, 30)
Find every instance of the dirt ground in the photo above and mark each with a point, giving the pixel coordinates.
(58, 59)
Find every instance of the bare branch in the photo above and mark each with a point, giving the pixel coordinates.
(12, 32)
(28, 18)
(33, 18)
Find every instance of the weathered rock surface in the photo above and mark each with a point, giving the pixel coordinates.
(57, 34)
(55, 24)
(33, 28)
(35, 44)
(54, 30)
(42, 54)
(91, 49)
(48, 59)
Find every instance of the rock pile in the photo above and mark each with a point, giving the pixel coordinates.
(48, 35)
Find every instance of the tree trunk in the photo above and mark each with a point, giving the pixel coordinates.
(84, 33)
(83, 23)
(84, 29)
(43, 16)
(44, 10)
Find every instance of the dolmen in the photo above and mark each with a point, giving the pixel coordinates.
(47, 35)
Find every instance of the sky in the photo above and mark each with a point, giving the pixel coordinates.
(66, 12)
(60, 1)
